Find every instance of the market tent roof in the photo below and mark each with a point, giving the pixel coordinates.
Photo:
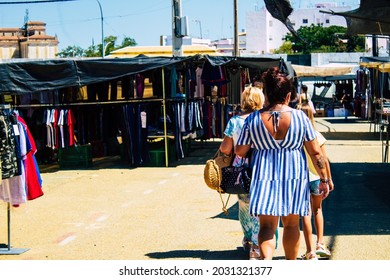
(259, 63)
(152, 51)
(321, 71)
(380, 63)
(372, 17)
(380, 59)
(20, 77)
(44, 75)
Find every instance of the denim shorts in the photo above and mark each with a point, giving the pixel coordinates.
(314, 190)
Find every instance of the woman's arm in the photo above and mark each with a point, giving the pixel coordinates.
(328, 172)
(319, 162)
(242, 150)
(226, 145)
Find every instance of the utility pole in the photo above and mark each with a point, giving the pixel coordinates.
(236, 39)
(375, 51)
(177, 40)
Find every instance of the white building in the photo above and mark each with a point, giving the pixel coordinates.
(187, 41)
(265, 33)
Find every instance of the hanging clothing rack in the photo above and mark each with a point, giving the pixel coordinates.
(88, 103)
(6, 249)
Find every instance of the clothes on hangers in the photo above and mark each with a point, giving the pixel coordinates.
(134, 134)
(60, 126)
(27, 184)
(9, 160)
(199, 88)
(33, 177)
(13, 189)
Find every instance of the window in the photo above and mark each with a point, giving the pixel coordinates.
(305, 21)
(270, 23)
(327, 21)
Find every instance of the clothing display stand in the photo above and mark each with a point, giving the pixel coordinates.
(165, 120)
(6, 249)
(383, 122)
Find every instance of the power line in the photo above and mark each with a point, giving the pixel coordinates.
(33, 2)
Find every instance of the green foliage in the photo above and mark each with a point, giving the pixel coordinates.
(71, 51)
(127, 41)
(286, 48)
(316, 38)
(96, 50)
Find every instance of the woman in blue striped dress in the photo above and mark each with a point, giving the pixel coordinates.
(280, 185)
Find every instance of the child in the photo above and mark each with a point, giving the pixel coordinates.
(316, 201)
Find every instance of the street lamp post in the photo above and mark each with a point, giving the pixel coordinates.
(101, 21)
(200, 27)
(105, 47)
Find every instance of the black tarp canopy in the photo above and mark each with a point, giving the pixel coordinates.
(35, 76)
(375, 59)
(21, 77)
(372, 17)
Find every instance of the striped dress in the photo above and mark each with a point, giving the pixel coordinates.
(280, 184)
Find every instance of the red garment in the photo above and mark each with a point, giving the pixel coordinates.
(33, 184)
(71, 122)
(56, 129)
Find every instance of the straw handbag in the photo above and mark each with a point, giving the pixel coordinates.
(212, 170)
(213, 174)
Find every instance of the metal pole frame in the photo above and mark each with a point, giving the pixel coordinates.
(101, 22)
(7, 249)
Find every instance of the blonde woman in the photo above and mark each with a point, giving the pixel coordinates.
(252, 99)
(316, 201)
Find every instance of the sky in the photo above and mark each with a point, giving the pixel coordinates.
(78, 22)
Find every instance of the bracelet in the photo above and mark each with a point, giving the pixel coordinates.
(326, 181)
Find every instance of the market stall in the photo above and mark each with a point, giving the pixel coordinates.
(103, 92)
(379, 89)
(338, 77)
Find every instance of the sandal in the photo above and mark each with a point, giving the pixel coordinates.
(322, 251)
(246, 244)
(254, 253)
(309, 256)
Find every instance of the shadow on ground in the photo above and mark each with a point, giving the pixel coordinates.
(348, 120)
(237, 254)
(360, 203)
(362, 136)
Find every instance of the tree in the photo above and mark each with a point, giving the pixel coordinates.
(71, 51)
(127, 41)
(316, 38)
(286, 48)
(96, 50)
(93, 51)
